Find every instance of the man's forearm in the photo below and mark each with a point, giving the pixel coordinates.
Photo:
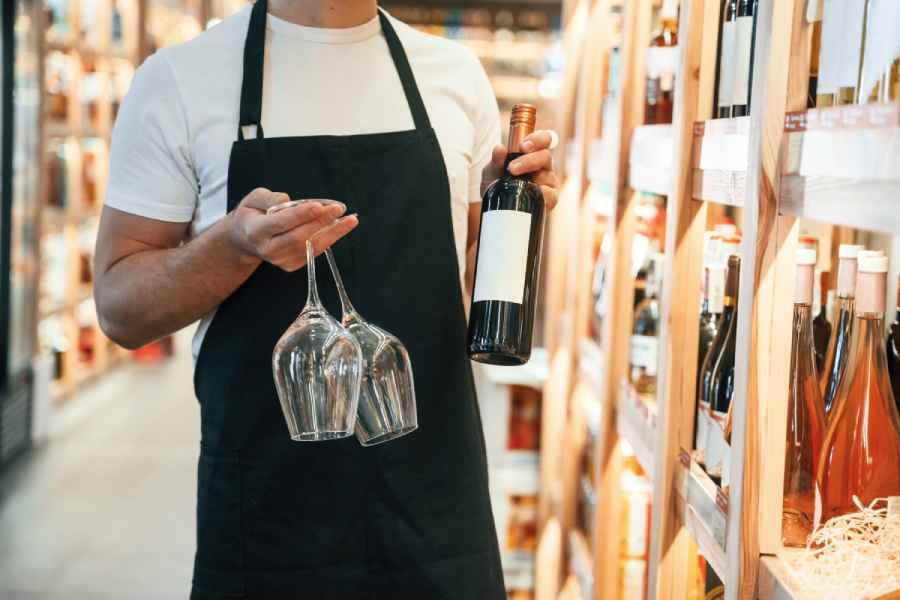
(155, 292)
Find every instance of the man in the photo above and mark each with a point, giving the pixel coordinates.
(316, 99)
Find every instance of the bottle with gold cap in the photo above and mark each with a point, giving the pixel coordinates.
(508, 259)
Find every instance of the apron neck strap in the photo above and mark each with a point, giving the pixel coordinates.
(254, 58)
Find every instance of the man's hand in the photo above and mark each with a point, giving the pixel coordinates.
(537, 160)
(280, 238)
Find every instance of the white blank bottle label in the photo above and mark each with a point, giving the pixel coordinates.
(726, 65)
(829, 55)
(743, 43)
(851, 42)
(645, 353)
(502, 256)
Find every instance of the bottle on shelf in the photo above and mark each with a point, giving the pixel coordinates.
(644, 349)
(598, 287)
(508, 259)
(661, 66)
(835, 363)
(721, 317)
(893, 350)
(805, 415)
(881, 58)
(852, 30)
(744, 33)
(721, 380)
(814, 52)
(829, 56)
(821, 326)
(725, 70)
(635, 518)
(861, 451)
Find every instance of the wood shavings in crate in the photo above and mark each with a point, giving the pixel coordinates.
(854, 556)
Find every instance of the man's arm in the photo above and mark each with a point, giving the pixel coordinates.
(148, 284)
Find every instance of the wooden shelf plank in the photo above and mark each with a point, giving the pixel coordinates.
(581, 562)
(702, 513)
(873, 205)
(775, 582)
(636, 423)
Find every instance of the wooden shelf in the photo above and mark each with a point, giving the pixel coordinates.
(702, 512)
(591, 365)
(650, 163)
(842, 166)
(636, 423)
(581, 562)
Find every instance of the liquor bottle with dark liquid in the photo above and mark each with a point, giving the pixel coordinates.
(841, 326)
(661, 64)
(821, 326)
(805, 415)
(721, 379)
(725, 74)
(745, 25)
(710, 309)
(508, 259)
(893, 350)
(861, 451)
(721, 315)
(644, 350)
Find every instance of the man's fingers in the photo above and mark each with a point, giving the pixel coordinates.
(539, 140)
(327, 236)
(534, 161)
(546, 178)
(550, 196)
(262, 198)
(291, 218)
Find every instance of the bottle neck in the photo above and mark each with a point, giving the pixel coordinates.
(511, 156)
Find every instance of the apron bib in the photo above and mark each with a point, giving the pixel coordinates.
(333, 520)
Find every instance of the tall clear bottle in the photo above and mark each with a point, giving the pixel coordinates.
(841, 325)
(725, 75)
(861, 451)
(745, 29)
(661, 65)
(805, 415)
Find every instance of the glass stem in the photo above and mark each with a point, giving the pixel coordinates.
(346, 306)
(312, 297)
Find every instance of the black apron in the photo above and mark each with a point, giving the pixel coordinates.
(333, 520)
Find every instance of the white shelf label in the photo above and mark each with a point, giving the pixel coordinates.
(502, 256)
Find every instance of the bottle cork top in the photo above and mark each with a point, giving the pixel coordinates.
(873, 263)
(849, 250)
(805, 256)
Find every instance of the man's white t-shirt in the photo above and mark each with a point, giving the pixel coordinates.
(174, 131)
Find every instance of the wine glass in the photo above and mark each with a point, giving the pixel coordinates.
(387, 399)
(318, 367)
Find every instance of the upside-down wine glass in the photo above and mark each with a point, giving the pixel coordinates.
(387, 398)
(318, 367)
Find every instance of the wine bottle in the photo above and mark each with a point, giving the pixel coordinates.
(745, 22)
(805, 415)
(661, 64)
(893, 350)
(508, 259)
(829, 53)
(644, 350)
(725, 74)
(721, 386)
(851, 49)
(815, 49)
(710, 309)
(841, 325)
(598, 287)
(721, 315)
(861, 451)
(821, 326)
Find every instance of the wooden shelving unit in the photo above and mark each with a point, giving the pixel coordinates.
(89, 54)
(779, 172)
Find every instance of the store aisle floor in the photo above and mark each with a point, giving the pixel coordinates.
(105, 509)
